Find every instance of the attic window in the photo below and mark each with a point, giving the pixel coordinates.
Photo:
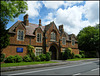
(73, 41)
(39, 37)
(63, 41)
(20, 35)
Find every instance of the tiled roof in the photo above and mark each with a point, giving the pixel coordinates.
(29, 29)
(32, 27)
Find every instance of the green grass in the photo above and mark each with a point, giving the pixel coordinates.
(77, 59)
(25, 63)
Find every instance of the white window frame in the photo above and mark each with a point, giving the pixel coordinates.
(63, 50)
(19, 35)
(40, 38)
(63, 40)
(73, 42)
(38, 50)
(53, 36)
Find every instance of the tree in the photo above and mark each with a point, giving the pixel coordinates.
(88, 39)
(8, 11)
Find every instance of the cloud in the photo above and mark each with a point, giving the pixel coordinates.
(53, 4)
(33, 8)
(91, 10)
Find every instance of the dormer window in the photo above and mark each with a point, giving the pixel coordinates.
(73, 41)
(53, 36)
(39, 37)
(63, 41)
(20, 35)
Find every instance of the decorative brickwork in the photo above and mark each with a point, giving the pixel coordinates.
(30, 38)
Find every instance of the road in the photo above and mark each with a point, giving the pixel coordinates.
(83, 68)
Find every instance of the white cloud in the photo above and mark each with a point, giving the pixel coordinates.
(71, 3)
(49, 18)
(33, 8)
(91, 10)
(53, 4)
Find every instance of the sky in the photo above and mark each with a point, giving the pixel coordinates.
(74, 15)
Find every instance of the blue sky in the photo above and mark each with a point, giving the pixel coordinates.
(74, 15)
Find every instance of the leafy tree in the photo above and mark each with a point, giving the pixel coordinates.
(88, 39)
(8, 11)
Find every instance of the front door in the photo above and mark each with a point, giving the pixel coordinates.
(53, 51)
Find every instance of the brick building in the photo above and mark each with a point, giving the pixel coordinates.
(43, 38)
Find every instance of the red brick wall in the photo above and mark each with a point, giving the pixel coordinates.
(11, 50)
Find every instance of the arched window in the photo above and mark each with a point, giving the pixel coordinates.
(53, 36)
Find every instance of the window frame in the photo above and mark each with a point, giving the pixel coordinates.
(64, 42)
(73, 42)
(39, 38)
(19, 36)
(53, 36)
(40, 51)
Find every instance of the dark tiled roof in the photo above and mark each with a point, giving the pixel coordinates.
(32, 27)
(29, 29)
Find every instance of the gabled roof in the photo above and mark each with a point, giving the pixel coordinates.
(29, 29)
(32, 27)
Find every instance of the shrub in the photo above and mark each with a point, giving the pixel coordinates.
(72, 56)
(83, 56)
(30, 52)
(2, 57)
(32, 55)
(48, 56)
(18, 58)
(10, 59)
(27, 58)
(78, 56)
(81, 52)
(42, 57)
(67, 54)
(37, 58)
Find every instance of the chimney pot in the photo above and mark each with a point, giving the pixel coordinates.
(26, 21)
(39, 22)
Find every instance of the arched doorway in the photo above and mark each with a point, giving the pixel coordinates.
(53, 51)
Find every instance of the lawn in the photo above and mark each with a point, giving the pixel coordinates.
(76, 59)
(25, 63)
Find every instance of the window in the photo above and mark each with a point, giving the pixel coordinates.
(38, 51)
(63, 50)
(73, 42)
(53, 36)
(63, 41)
(20, 35)
(39, 37)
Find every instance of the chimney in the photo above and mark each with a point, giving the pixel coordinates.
(26, 21)
(61, 28)
(40, 22)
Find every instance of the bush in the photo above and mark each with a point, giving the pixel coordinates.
(91, 54)
(18, 58)
(10, 59)
(48, 56)
(81, 52)
(67, 54)
(42, 57)
(72, 56)
(30, 52)
(32, 55)
(27, 58)
(2, 57)
(83, 56)
(78, 56)
(37, 58)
